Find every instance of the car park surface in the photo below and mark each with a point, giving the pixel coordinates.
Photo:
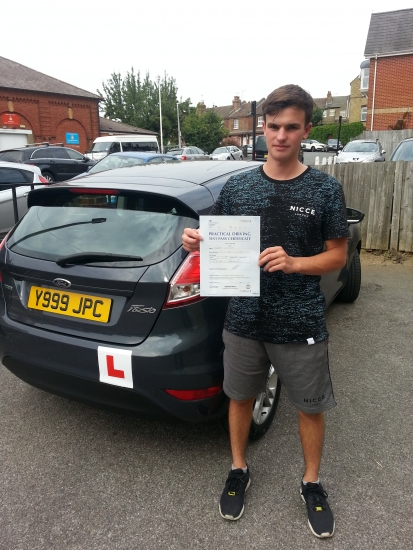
(21, 176)
(97, 286)
(57, 163)
(80, 478)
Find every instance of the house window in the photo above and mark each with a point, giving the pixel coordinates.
(363, 114)
(324, 114)
(259, 121)
(364, 78)
(236, 124)
(332, 112)
(343, 113)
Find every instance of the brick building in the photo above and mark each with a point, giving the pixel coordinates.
(238, 120)
(45, 108)
(333, 107)
(387, 73)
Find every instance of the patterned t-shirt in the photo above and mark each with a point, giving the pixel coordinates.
(299, 215)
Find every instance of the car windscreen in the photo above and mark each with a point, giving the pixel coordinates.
(101, 146)
(261, 144)
(404, 151)
(360, 147)
(67, 222)
(113, 161)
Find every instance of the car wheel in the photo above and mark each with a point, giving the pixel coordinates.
(240, 157)
(351, 289)
(264, 409)
(265, 406)
(312, 149)
(48, 176)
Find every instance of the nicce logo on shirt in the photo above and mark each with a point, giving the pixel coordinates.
(303, 211)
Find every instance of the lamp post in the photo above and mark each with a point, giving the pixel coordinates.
(160, 113)
(179, 125)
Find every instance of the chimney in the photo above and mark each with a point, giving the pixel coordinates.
(236, 102)
(201, 107)
(329, 99)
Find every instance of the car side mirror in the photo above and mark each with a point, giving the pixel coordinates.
(354, 216)
(383, 152)
(85, 159)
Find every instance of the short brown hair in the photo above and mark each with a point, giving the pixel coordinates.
(289, 95)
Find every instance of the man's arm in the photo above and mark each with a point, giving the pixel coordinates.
(334, 257)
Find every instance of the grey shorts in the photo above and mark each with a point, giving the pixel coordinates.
(302, 368)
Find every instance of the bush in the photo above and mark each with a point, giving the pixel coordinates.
(348, 132)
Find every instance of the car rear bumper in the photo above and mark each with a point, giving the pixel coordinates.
(69, 367)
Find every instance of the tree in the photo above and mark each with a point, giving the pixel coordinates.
(204, 129)
(136, 102)
(317, 116)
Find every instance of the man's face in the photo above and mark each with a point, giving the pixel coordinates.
(284, 133)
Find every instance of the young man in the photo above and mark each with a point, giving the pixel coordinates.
(303, 235)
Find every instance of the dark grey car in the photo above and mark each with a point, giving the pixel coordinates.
(100, 303)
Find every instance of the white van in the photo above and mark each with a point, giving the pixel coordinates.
(103, 146)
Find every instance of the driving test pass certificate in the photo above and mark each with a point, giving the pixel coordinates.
(229, 255)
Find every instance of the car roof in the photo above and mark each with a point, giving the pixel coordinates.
(20, 166)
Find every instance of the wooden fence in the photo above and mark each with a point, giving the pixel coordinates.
(384, 192)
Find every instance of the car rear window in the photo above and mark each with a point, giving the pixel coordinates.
(64, 222)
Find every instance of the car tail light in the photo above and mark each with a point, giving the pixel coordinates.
(44, 180)
(183, 157)
(193, 395)
(185, 284)
(3, 241)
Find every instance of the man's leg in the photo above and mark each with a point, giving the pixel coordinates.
(320, 517)
(231, 505)
(312, 437)
(239, 418)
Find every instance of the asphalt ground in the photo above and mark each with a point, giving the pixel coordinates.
(74, 477)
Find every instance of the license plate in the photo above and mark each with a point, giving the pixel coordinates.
(70, 304)
(265, 156)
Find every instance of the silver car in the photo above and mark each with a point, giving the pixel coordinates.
(229, 152)
(188, 153)
(361, 150)
(15, 173)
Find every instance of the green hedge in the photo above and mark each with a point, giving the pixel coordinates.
(328, 131)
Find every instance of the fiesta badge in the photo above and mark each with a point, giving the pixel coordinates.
(62, 283)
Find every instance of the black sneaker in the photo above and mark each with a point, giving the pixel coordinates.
(320, 516)
(231, 505)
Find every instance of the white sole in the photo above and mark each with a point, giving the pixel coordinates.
(323, 535)
(231, 518)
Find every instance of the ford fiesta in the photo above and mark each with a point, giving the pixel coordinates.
(100, 303)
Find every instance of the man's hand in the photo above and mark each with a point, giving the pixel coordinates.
(191, 239)
(277, 259)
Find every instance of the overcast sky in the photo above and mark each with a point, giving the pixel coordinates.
(214, 49)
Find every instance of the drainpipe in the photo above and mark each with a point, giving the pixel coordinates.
(374, 94)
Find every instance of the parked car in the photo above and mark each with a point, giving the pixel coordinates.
(404, 150)
(57, 163)
(332, 145)
(100, 303)
(123, 160)
(189, 153)
(106, 145)
(12, 173)
(361, 150)
(313, 145)
(229, 152)
(249, 149)
(261, 150)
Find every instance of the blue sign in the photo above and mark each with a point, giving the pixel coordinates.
(72, 139)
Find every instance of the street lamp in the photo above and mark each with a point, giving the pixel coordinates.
(179, 126)
(160, 113)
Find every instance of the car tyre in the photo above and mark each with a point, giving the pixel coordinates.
(48, 176)
(351, 289)
(241, 157)
(312, 149)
